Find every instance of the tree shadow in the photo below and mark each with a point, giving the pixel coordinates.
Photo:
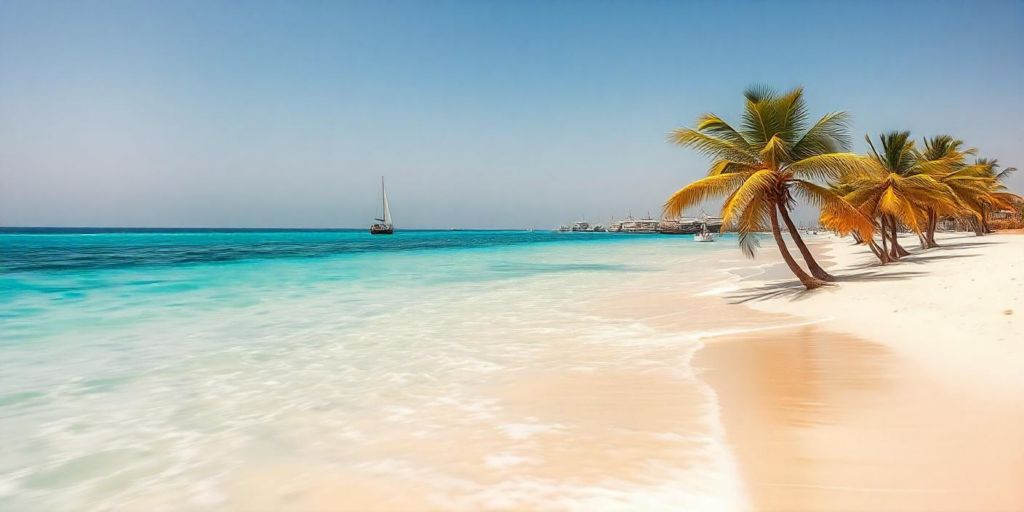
(877, 275)
(792, 289)
(796, 291)
(867, 272)
(964, 245)
(918, 259)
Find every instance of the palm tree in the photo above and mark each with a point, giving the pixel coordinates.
(960, 179)
(760, 167)
(976, 187)
(898, 187)
(997, 196)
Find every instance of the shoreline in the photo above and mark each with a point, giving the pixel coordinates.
(848, 411)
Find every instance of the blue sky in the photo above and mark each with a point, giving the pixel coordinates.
(480, 113)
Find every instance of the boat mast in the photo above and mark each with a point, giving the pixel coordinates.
(384, 193)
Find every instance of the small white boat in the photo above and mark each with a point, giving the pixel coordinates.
(704, 235)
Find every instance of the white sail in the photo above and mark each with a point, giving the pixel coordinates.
(387, 211)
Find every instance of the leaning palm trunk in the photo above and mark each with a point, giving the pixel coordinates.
(902, 251)
(894, 254)
(897, 250)
(933, 224)
(807, 280)
(812, 265)
(883, 255)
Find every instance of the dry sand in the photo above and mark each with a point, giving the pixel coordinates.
(927, 415)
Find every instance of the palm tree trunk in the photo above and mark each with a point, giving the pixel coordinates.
(979, 224)
(897, 249)
(884, 256)
(984, 220)
(874, 248)
(933, 224)
(902, 251)
(812, 265)
(808, 281)
(894, 253)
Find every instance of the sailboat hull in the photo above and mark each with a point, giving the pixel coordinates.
(382, 230)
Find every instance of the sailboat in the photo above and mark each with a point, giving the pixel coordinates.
(383, 226)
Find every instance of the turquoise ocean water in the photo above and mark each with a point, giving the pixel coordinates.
(204, 369)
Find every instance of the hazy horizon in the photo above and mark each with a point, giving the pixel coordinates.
(480, 114)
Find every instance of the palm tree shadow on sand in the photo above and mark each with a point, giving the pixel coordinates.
(869, 272)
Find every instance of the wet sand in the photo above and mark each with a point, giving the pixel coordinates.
(824, 421)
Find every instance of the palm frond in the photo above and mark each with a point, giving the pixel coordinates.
(845, 216)
(713, 146)
(761, 184)
(759, 118)
(728, 166)
(791, 115)
(830, 166)
(714, 125)
(774, 152)
(755, 219)
(712, 187)
(1005, 173)
(831, 134)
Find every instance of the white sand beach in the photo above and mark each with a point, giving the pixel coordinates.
(907, 395)
(959, 307)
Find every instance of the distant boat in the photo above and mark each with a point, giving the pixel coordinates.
(690, 225)
(383, 226)
(704, 235)
(581, 226)
(646, 225)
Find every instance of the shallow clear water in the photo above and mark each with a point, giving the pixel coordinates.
(327, 369)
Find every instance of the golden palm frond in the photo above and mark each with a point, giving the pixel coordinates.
(829, 135)
(829, 167)
(712, 146)
(774, 152)
(757, 116)
(728, 166)
(714, 125)
(761, 184)
(702, 190)
(755, 219)
(844, 216)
